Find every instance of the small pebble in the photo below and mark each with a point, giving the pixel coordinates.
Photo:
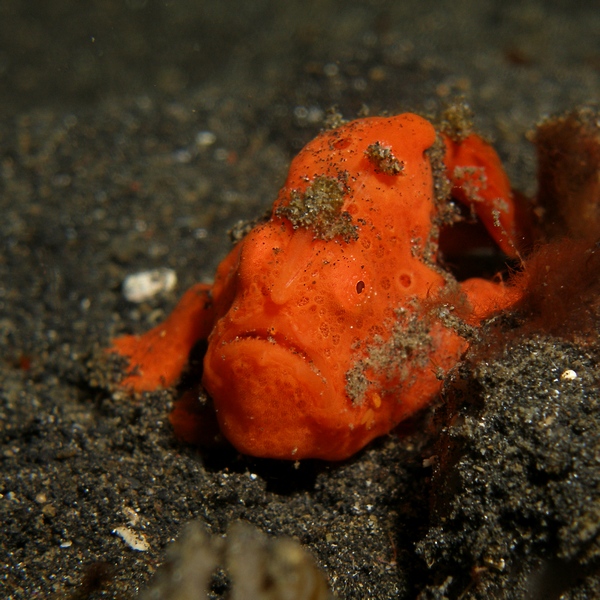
(142, 286)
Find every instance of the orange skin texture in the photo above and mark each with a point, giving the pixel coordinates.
(479, 181)
(317, 346)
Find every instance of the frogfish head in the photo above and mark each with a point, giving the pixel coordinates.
(322, 347)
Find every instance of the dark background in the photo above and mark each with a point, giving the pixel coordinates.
(102, 175)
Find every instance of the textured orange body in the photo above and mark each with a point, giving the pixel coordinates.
(320, 327)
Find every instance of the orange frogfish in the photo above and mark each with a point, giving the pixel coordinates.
(333, 321)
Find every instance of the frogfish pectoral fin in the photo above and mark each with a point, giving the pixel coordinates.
(158, 357)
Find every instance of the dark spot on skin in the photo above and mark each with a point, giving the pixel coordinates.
(405, 280)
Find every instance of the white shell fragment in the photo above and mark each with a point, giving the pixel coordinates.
(142, 286)
(568, 375)
(135, 540)
(205, 138)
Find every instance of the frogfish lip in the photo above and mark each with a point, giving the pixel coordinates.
(270, 398)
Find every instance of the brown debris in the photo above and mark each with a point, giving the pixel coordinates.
(568, 150)
(319, 208)
(384, 159)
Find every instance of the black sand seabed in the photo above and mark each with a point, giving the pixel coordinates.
(105, 171)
